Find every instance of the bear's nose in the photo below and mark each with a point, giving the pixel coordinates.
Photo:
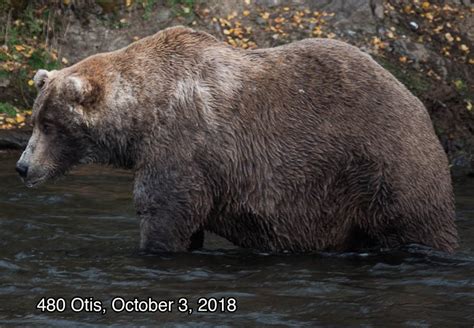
(22, 169)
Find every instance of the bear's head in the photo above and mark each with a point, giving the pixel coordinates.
(61, 125)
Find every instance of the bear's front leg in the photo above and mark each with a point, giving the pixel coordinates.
(172, 208)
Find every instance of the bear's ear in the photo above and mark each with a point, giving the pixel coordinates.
(79, 90)
(40, 78)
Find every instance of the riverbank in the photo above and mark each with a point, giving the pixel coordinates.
(425, 44)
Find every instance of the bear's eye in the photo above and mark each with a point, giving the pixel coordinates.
(47, 127)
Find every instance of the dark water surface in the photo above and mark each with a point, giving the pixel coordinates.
(78, 237)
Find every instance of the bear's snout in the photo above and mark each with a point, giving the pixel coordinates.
(22, 169)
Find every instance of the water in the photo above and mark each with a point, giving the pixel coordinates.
(78, 237)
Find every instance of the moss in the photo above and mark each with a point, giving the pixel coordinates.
(414, 81)
(8, 109)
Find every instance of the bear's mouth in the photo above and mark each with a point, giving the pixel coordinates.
(39, 177)
(35, 182)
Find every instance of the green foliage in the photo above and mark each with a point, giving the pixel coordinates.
(4, 74)
(148, 8)
(460, 85)
(33, 25)
(12, 36)
(415, 82)
(182, 7)
(42, 59)
(27, 48)
(8, 109)
(29, 25)
(188, 3)
(4, 5)
(3, 57)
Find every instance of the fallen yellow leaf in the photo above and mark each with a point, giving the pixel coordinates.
(438, 29)
(449, 37)
(317, 31)
(469, 105)
(20, 118)
(279, 20)
(464, 48)
(19, 48)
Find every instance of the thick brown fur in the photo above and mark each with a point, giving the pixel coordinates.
(304, 147)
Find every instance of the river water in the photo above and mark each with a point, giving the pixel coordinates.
(77, 238)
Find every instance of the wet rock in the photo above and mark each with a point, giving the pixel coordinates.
(163, 14)
(414, 26)
(415, 51)
(261, 21)
(14, 139)
(441, 69)
(276, 3)
(462, 164)
(466, 3)
(467, 28)
(96, 34)
(270, 3)
(4, 82)
(377, 9)
(356, 15)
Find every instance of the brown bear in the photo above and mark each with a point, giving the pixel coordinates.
(304, 147)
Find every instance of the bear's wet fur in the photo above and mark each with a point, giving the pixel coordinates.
(304, 147)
